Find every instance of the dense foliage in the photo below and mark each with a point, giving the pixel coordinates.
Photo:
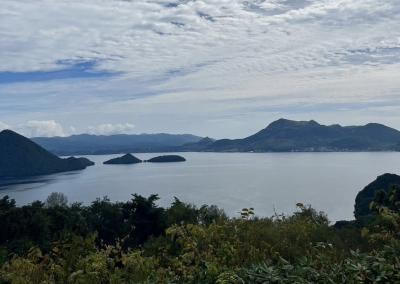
(140, 242)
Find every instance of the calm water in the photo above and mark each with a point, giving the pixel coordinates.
(267, 182)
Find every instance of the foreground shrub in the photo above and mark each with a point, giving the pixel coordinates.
(139, 242)
(376, 267)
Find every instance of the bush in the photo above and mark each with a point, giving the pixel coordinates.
(139, 242)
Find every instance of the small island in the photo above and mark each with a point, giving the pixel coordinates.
(127, 159)
(167, 159)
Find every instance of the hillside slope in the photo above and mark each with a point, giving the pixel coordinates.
(20, 157)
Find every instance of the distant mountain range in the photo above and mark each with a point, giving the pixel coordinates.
(86, 144)
(309, 136)
(280, 136)
(20, 157)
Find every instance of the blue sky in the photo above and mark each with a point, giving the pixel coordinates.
(213, 68)
(67, 70)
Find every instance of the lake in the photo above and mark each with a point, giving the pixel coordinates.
(269, 182)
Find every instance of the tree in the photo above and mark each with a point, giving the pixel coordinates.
(107, 219)
(181, 213)
(56, 199)
(145, 218)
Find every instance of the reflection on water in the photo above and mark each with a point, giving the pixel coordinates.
(28, 183)
(265, 181)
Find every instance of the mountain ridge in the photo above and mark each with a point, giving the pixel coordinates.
(285, 135)
(87, 144)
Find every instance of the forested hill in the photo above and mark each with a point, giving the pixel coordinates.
(21, 157)
(287, 135)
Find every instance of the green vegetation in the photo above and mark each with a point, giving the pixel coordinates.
(140, 242)
(362, 209)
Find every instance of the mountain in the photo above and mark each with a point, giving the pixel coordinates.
(309, 136)
(86, 144)
(124, 160)
(21, 157)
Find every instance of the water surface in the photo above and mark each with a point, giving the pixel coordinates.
(269, 182)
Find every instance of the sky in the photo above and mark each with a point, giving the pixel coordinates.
(218, 68)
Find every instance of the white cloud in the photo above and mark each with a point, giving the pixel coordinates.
(110, 129)
(3, 126)
(184, 62)
(50, 128)
(146, 37)
(41, 128)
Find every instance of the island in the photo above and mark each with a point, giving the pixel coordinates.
(167, 159)
(127, 159)
(21, 157)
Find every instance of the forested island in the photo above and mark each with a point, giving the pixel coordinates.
(126, 159)
(140, 242)
(167, 159)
